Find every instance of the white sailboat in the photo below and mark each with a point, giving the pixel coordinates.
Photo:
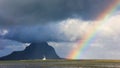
(44, 58)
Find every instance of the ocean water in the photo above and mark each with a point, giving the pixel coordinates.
(61, 64)
(55, 66)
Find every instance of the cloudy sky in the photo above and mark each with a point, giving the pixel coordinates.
(61, 23)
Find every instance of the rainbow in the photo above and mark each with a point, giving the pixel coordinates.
(90, 35)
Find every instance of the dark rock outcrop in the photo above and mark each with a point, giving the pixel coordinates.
(34, 51)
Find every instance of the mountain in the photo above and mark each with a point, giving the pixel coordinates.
(34, 51)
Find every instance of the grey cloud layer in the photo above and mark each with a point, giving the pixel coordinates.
(37, 33)
(37, 11)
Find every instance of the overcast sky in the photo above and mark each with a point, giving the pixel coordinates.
(62, 23)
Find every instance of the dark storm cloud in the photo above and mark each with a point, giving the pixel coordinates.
(39, 33)
(41, 11)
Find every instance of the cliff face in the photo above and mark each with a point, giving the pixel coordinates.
(34, 51)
